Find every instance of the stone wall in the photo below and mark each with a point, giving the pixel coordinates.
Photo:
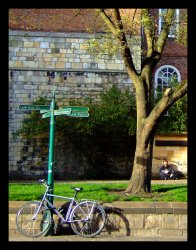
(77, 74)
(133, 219)
(32, 58)
(76, 159)
(174, 148)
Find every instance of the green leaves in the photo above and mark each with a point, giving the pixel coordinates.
(114, 114)
(176, 118)
(34, 125)
(103, 46)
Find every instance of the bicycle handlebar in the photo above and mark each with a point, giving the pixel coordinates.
(43, 181)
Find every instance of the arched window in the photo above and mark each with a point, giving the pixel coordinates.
(165, 76)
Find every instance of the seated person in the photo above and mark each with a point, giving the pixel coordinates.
(167, 172)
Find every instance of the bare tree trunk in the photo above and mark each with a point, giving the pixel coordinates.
(140, 181)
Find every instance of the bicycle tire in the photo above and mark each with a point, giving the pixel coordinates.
(91, 227)
(33, 227)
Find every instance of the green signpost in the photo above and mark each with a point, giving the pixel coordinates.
(76, 108)
(79, 114)
(57, 112)
(52, 112)
(34, 107)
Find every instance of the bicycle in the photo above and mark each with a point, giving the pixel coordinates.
(87, 217)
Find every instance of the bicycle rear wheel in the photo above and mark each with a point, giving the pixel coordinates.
(29, 225)
(87, 219)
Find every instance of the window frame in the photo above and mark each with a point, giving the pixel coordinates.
(176, 23)
(158, 71)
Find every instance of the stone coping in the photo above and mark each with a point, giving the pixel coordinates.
(152, 207)
(127, 207)
(55, 34)
(98, 71)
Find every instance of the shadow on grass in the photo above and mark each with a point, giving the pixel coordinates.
(167, 188)
(160, 189)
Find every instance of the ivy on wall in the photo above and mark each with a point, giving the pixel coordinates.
(115, 115)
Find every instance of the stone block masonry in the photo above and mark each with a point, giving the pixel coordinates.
(78, 74)
(134, 219)
(60, 51)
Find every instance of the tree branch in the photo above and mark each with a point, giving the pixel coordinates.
(118, 31)
(107, 20)
(148, 30)
(169, 97)
(154, 50)
(165, 30)
(131, 29)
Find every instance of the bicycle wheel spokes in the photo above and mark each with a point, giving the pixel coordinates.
(33, 224)
(88, 219)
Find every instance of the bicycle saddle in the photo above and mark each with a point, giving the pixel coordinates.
(77, 189)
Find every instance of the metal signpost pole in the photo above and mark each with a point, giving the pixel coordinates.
(51, 146)
(51, 155)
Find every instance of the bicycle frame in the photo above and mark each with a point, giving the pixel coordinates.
(86, 217)
(68, 214)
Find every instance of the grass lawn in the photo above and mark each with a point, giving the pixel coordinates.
(105, 192)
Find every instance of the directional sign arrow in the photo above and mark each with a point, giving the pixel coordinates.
(34, 107)
(79, 114)
(76, 108)
(57, 112)
(43, 111)
(45, 115)
(66, 111)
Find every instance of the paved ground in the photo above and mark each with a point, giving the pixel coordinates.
(99, 238)
(180, 181)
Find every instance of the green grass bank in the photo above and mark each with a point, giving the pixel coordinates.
(105, 192)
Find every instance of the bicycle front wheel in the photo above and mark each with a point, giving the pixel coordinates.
(31, 222)
(87, 219)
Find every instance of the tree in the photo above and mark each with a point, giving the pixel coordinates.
(148, 115)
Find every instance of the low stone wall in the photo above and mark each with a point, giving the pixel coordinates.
(134, 219)
(159, 219)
